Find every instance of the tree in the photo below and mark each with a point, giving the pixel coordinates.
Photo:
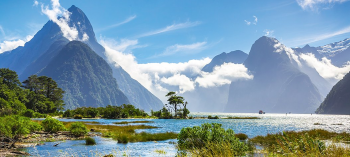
(45, 96)
(174, 100)
(10, 78)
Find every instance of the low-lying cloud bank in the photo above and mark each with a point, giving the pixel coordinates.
(159, 78)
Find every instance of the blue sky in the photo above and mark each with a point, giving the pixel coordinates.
(180, 30)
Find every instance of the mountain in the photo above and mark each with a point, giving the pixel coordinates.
(237, 57)
(85, 77)
(213, 99)
(338, 99)
(278, 86)
(37, 54)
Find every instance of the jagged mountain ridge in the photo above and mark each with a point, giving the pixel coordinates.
(237, 57)
(278, 86)
(49, 41)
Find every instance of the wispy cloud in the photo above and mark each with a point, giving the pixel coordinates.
(310, 39)
(2, 31)
(269, 33)
(254, 22)
(117, 24)
(171, 28)
(56, 11)
(178, 48)
(247, 22)
(314, 5)
(36, 3)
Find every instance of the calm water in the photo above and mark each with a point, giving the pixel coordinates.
(269, 123)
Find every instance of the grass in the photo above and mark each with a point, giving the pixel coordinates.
(125, 122)
(293, 139)
(125, 134)
(242, 118)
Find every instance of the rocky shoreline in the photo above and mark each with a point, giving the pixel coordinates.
(35, 139)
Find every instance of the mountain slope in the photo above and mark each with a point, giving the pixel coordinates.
(338, 99)
(85, 77)
(237, 57)
(45, 45)
(278, 86)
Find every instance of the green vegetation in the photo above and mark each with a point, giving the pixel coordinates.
(78, 129)
(110, 112)
(241, 136)
(303, 143)
(52, 125)
(174, 102)
(124, 122)
(15, 126)
(90, 141)
(215, 117)
(210, 140)
(125, 134)
(37, 96)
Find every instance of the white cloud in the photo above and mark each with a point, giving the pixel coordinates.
(316, 4)
(118, 24)
(185, 84)
(159, 78)
(255, 20)
(12, 44)
(171, 28)
(325, 67)
(85, 37)
(290, 52)
(247, 22)
(178, 48)
(224, 74)
(36, 3)
(269, 33)
(54, 14)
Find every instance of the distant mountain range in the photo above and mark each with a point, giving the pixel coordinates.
(282, 83)
(278, 86)
(39, 53)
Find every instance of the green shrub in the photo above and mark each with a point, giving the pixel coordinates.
(210, 117)
(34, 126)
(90, 141)
(78, 129)
(211, 135)
(241, 136)
(29, 113)
(52, 125)
(78, 116)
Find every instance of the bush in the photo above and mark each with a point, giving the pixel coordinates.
(29, 113)
(241, 136)
(90, 141)
(34, 126)
(211, 135)
(52, 125)
(210, 117)
(78, 129)
(78, 116)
